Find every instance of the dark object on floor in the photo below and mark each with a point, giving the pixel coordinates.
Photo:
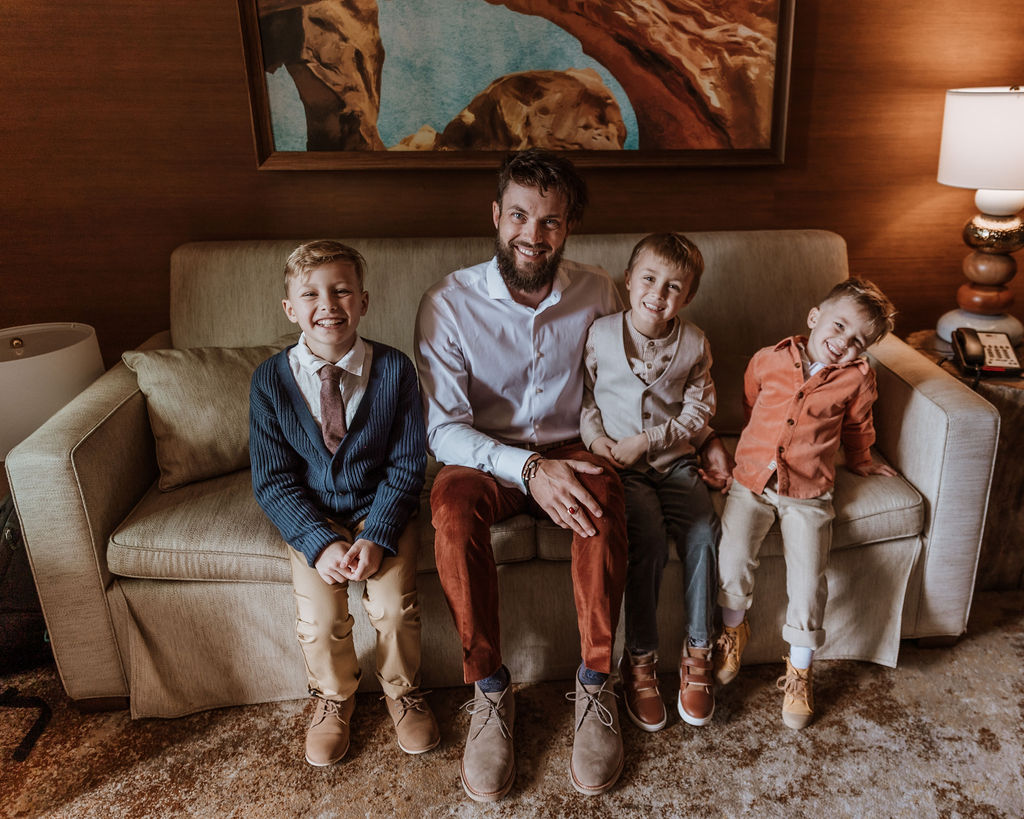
(23, 639)
(10, 699)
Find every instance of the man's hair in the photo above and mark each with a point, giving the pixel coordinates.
(537, 168)
(869, 298)
(311, 255)
(675, 249)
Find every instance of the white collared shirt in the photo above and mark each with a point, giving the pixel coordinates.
(496, 373)
(305, 366)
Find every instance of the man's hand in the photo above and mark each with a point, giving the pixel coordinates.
(716, 465)
(874, 468)
(558, 492)
(628, 450)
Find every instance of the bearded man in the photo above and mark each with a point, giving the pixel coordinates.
(499, 349)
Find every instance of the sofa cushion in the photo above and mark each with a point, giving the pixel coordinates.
(198, 403)
(868, 510)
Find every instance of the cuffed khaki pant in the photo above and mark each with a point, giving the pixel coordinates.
(324, 625)
(806, 526)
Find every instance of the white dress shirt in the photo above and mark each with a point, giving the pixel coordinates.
(305, 366)
(496, 374)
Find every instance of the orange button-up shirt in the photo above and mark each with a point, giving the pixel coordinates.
(794, 426)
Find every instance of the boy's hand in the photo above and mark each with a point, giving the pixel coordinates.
(362, 560)
(331, 561)
(874, 468)
(628, 450)
(717, 465)
(603, 446)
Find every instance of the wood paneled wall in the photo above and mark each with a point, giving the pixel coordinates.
(125, 131)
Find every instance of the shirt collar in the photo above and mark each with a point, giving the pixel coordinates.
(351, 362)
(497, 289)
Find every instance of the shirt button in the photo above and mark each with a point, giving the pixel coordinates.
(646, 415)
(649, 365)
(540, 390)
(782, 449)
(800, 395)
(790, 421)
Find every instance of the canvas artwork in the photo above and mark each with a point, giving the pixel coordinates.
(338, 83)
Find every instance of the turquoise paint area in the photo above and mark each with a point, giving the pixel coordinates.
(439, 54)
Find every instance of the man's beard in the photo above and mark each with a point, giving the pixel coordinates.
(537, 276)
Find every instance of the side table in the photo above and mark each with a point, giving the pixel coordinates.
(1001, 564)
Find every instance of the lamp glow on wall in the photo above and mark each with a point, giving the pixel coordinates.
(42, 367)
(983, 148)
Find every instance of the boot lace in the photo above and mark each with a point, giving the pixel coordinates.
(491, 711)
(594, 708)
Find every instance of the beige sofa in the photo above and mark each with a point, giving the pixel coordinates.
(180, 600)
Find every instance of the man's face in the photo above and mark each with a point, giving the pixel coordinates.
(532, 228)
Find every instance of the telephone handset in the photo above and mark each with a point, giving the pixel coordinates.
(980, 353)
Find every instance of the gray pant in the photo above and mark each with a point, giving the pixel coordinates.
(661, 506)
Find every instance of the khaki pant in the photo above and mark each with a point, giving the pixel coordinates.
(806, 526)
(324, 625)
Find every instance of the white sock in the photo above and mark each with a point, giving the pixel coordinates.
(733, 617)
(800, 657)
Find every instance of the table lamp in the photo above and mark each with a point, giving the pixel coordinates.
(42, 367)
(983, 149)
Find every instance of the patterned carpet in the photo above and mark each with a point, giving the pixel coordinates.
(938, 736)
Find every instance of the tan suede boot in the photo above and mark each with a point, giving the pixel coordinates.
(414, 723)
(488, 764)
(327, 737)
(597, 756)
(729, 652)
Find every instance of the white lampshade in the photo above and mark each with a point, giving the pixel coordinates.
(983, 139)
(42, 367)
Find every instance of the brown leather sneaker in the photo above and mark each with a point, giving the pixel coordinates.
(644, 704)
(696, 701)
(489, 763)
(729, 651)
(414, 722)
(798, 704)
(597, 756)
(328, 734)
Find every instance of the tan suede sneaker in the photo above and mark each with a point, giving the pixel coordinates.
(327, 737)
(488, 764)
(414, 722)
(597, 742)
(640, 693)
(696, 701)
(798, 704)
(729, 651)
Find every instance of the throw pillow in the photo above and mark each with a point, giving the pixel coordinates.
(198, 403)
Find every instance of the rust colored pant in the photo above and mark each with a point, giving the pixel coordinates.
(465, 503)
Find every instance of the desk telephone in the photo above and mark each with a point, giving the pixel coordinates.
(980, 353)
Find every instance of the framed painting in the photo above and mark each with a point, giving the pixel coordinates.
(347, 84)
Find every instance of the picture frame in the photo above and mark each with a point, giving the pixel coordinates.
(729, 110)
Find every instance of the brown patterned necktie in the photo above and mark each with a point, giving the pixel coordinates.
(332, 406)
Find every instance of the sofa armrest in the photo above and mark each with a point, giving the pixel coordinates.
(941, 436)
(73, 481)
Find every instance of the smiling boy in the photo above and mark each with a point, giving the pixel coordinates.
(646, 406)
(338, 455)
(803, 397)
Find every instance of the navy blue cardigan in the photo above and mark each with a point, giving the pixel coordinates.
(377, 472)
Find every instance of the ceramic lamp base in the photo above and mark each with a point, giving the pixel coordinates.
(985, 324)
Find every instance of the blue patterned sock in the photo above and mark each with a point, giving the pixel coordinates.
(589, 677)
(498, 681)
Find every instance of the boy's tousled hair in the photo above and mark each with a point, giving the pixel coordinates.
(537, 168)
(309, 256)
(675, 249)
(869, 297)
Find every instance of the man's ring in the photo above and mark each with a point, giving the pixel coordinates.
(572, 510)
